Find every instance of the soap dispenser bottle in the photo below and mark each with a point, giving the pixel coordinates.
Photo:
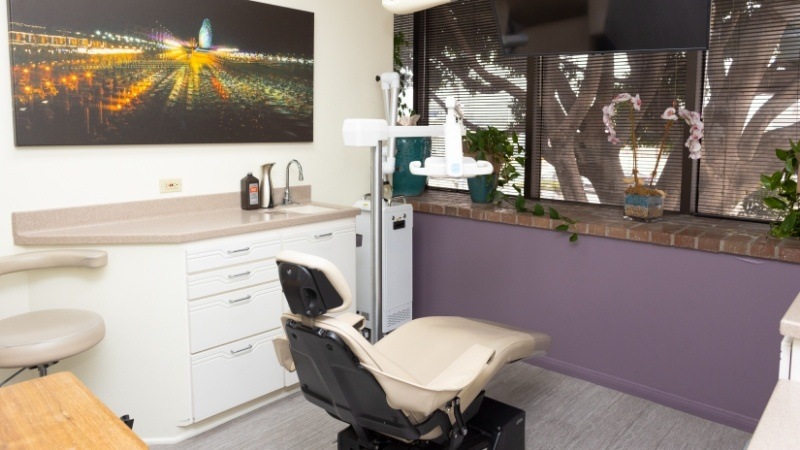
(266, 186)
(249, 192)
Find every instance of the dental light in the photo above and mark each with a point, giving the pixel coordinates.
(372, 133)
(411, 6)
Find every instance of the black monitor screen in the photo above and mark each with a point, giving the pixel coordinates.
(540, 27)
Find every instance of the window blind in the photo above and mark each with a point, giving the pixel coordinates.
(751, 103)
(577, 162)
(461, 56)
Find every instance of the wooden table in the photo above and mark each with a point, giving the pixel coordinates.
(59, 412)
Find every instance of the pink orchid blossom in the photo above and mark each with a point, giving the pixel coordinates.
(636, 102)
(624, 97)
(691, 118)
(669, 114)
(694, 147)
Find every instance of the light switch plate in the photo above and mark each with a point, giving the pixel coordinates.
(167, 185)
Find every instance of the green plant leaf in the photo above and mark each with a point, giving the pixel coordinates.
(788, 224)
(562, 227)
(538, 210)
(574, 237)
(790, 186)
(776, 180)
(519, 203)
(782, 154)
(766, 182)
(554, 214)
(791, 165)
(775, 203)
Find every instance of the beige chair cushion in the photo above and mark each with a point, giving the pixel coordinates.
(40, 337)
(427, 362)
(427, 346)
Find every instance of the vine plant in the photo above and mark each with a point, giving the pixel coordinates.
(502, 150)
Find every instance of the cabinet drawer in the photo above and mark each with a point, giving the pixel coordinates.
(237, 252)
(231, 278)
(230, 375)
(313, 234)
(234, 315)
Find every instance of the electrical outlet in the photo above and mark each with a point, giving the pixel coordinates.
(167, 185)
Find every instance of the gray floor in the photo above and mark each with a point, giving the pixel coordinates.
(562, 413)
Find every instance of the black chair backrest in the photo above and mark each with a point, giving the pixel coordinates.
(332, 378)
(308, 291)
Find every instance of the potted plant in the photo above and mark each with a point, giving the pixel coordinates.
(645, 203)
(501, 148)
(784, 197)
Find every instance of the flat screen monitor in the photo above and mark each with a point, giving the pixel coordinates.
(542, 27)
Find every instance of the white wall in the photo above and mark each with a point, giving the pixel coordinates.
(353, 43)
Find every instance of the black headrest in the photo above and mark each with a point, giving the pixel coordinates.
(308, 291)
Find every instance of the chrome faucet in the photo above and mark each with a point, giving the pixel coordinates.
(286, 197)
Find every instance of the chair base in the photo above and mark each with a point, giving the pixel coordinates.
(496, 426)
(41, 367)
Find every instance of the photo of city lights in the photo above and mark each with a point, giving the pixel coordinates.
(113, 72)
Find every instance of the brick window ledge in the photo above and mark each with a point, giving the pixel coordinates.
(673, 230)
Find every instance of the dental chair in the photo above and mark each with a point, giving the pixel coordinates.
(39, 339)
(421, 386)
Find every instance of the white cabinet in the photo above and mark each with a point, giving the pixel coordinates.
(234, 307)
(234, 373)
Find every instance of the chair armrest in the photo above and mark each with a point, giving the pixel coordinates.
(48, 259)
(356, 321)
(284, 353)
(411, 396)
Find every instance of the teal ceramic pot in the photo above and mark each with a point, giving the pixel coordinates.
(482, 187)
(409, 149)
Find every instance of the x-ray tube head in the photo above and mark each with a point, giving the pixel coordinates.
(411, 6)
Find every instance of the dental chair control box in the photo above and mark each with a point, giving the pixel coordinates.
(398, 223)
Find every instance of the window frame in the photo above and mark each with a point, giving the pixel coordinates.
(693, 96)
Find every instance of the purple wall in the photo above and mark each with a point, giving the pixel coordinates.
(694, 330)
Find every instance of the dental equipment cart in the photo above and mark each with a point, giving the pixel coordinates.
(397, 265)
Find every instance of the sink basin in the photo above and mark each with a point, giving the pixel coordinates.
(307, 209)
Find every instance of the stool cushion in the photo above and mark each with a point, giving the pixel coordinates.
(40, 337)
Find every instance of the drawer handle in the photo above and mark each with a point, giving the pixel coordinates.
(237, 275)
(239, 300)
(235, 352)
(246, 249)
(324, 235)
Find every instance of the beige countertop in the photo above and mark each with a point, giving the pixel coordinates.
(182, 219)
(778, 427)
(790, 324)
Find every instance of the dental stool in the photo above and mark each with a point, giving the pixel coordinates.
(39, 339)
(419, 387)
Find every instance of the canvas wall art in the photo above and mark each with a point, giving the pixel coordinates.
(106, 72)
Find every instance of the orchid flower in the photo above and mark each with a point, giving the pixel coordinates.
(636, 102)
(669, 114)
(692, 118)
(624, 97)
(694, 148)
